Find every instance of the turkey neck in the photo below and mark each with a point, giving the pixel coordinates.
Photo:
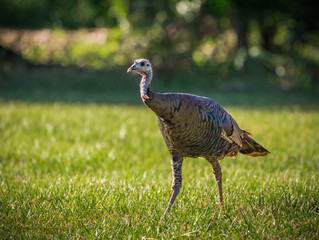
(145, 83)
(157, 102)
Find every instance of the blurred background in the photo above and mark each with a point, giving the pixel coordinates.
(79, 50)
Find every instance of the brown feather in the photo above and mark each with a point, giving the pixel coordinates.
(251, 147)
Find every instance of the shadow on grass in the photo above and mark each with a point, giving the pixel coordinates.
(30, 83)
(264, 99)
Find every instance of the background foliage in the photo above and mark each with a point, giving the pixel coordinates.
(219, 41)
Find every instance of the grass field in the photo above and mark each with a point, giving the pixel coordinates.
(87, 170)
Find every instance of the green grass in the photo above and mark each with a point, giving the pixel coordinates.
(85, 170)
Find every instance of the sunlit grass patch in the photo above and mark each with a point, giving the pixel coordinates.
(88, 170)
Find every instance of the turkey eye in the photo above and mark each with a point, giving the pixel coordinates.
(142, 64)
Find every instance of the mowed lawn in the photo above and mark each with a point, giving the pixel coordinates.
(89, 170)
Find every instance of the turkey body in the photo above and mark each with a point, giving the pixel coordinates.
(194, 126)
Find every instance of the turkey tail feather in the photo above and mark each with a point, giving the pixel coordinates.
(251, 147)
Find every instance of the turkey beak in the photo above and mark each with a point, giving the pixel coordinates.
(131, 68)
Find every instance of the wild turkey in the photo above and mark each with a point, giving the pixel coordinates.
(194, 126)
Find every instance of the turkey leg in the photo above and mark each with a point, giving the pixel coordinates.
(176, 163)
(218, 177)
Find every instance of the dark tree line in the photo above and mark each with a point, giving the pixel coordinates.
(175, 29)
(301, 17)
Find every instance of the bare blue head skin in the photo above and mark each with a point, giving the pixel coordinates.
(141, 66)
(144, 68)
